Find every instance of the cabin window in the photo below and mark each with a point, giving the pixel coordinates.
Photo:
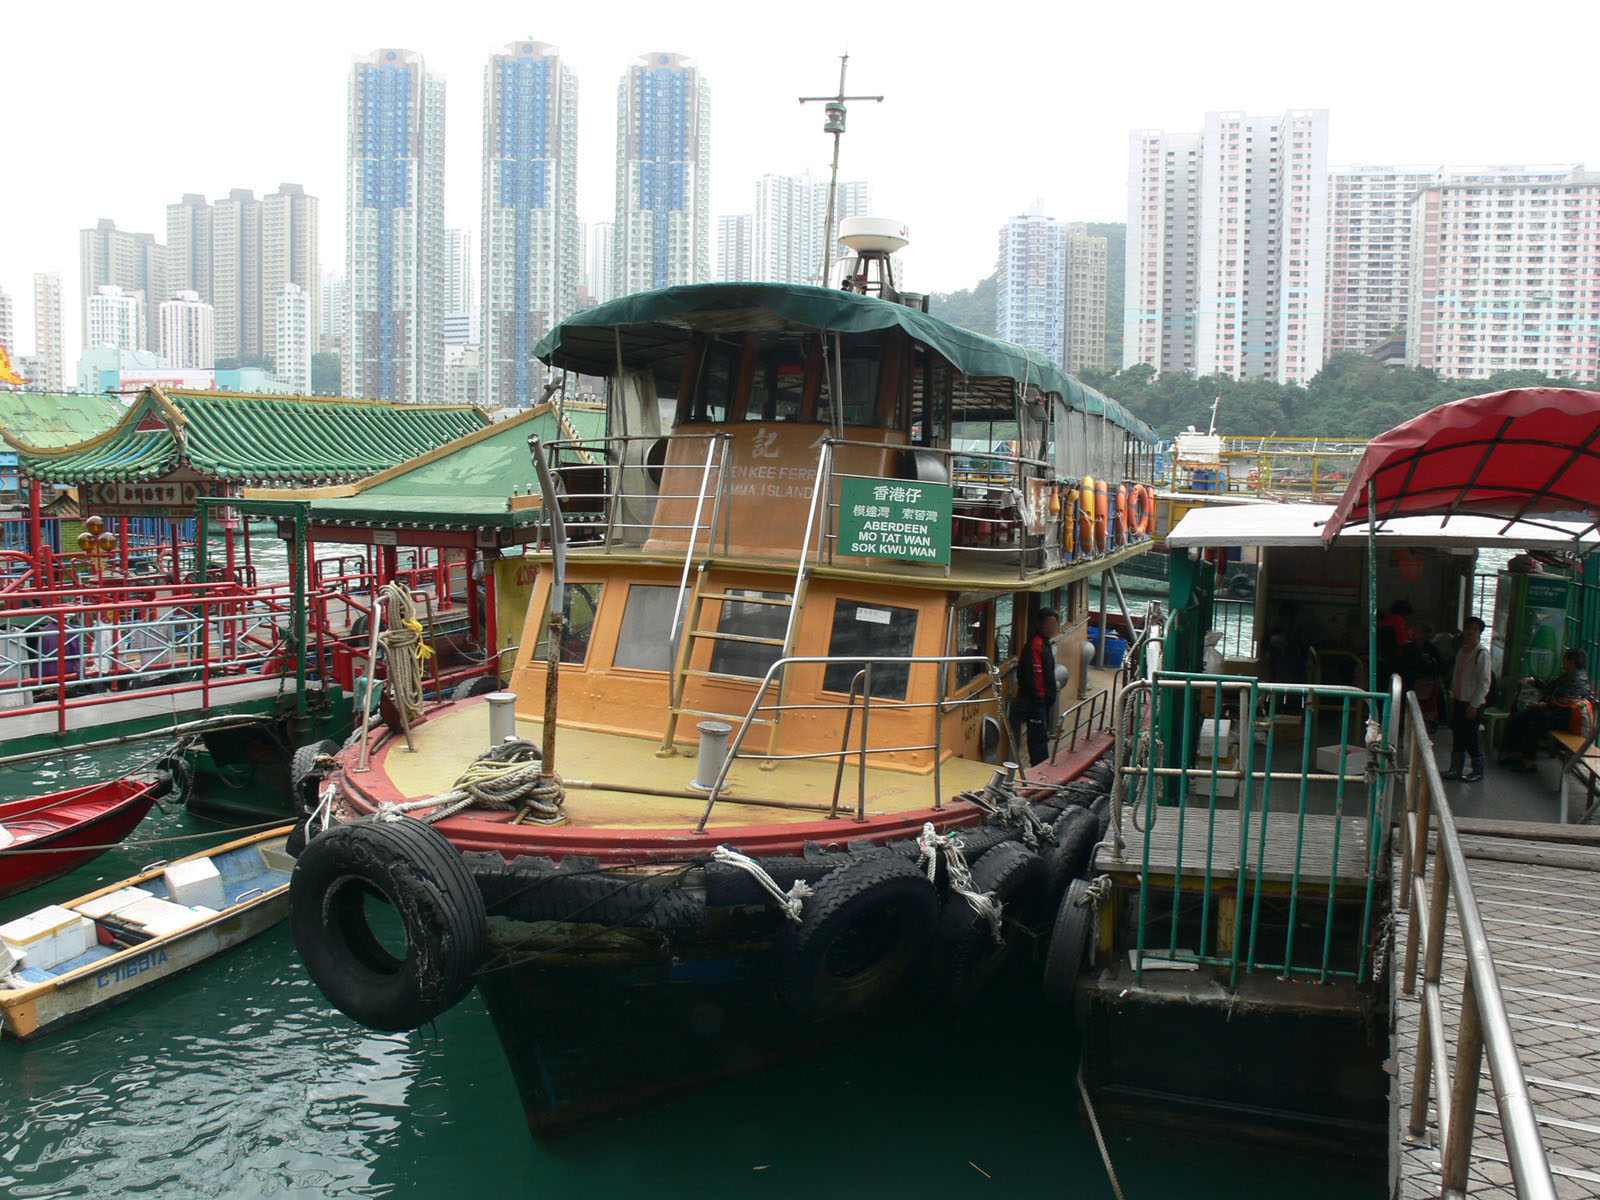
(646, 621)
(1004, 627)
(777, 393)
(755, 614)
(715, 383)
(863, 629)
(582, 602)
(861, 375)
(974, 626)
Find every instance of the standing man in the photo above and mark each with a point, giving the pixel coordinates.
(1469, 688)
(1036, 683)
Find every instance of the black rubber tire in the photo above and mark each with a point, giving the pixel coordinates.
(304, 776)
(879, 910)
(1067, 858)
(179, 779)
(532, 888)
(1068, 948)
(360, 627)
(730, 886)
(970, 957)
(480, 685)
(416, 870)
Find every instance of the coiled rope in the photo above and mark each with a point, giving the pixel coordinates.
(502, 778)
(404, 650)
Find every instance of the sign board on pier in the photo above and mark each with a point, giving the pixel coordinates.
(895, 518)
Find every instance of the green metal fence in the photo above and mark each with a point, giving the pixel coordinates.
(1266, 860)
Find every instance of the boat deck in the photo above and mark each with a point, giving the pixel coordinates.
(1330, 846)
(1541, 917)
(650, 792)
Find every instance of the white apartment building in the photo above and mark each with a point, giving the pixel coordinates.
(1227, 247)
(662, 235)
(1085, 342)
(47, 333)
(134, 262)
(787, 231)
(294, 331)
(188, 332)
(1031, 285)
(393, 344)
(8, 325)
(1369, 252)
(330, 314)
(289, 255)
(735, 246)
(116, 318)
(602, 268)
(1505, 274)
(531, 248)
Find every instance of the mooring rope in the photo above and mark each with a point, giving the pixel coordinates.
(404, 650)
(931, 845)
(1099, 1138)
(792, 902)
(501, 779)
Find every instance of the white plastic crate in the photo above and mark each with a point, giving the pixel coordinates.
(195, 882)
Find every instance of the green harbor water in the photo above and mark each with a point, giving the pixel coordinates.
(238, 1079)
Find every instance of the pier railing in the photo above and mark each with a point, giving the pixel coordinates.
(1430, 877)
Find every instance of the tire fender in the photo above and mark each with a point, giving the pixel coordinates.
(305, 777)
(864, 927)
(971, 958)
(420, 874)
(1068, 948)
(1075, 839)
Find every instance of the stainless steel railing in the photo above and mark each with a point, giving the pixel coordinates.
(1484, 1028)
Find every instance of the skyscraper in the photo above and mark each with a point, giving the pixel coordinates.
(394, 265)
(1369, 252)
(602, 264)
(460, 292)
(115, 319)
(289, 255)
(330, 315)
(188, 332)
(735, 247)
(1227, 247)
(663, 212)
(786, 232)
(1030, 284)
(236, 274)
(1085, 341)
(134, 262)
(293, 332)
(189, 246)
(47, 346)
(531, 249)
(8, 324)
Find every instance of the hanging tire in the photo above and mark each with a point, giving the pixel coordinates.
(481, 685)
(305, 777)
(862, 930)
(179, 778)
(1067, 858)
(1068, 949)
(410, 866)
(970, 956)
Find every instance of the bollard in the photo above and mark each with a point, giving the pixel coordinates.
(713, 753)
(1086, 653)
(502, 717)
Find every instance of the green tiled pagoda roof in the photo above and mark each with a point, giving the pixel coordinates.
(270, 440)
(462, 485)
(45, 420)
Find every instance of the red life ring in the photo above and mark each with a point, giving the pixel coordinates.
(1143, 518)
(1122, 514)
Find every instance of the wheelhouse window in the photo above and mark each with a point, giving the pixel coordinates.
(778, 387)
(754, 615)
(862, 629)
(642, 643)
(974, 627)
(581, 603)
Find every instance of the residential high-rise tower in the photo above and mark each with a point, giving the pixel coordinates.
(1030, 284)
(188, 332)
(531, 247)
(663, 203)
(293, 337)
(1084, 344)
(394, 222)
(735, 247)
(47, 333)
(289, 255)
(134, 262)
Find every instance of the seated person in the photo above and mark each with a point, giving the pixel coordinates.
(1430, 697)
(1528, 725)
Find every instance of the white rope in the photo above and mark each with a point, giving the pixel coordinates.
(792, 901)
(500, 779)
(404, 650)
(932, 844)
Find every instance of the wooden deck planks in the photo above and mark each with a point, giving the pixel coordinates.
(1221, 829)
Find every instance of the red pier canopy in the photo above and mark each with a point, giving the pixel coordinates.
(1516, 454)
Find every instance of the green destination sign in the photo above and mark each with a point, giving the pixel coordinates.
(891, 518)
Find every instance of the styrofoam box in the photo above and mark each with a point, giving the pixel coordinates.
(1215, 737)
(47, 937)
(195, 882)
(1355, 762)
(160, 917)
(111, 902)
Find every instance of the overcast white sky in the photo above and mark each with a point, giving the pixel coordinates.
(116, 109)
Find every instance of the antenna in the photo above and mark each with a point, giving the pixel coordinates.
(833, 122)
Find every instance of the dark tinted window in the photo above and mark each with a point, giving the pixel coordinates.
(862, 629)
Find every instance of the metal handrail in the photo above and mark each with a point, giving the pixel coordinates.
(1485, 1027)
(776, 671)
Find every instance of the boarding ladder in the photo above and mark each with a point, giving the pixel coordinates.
(695, 630)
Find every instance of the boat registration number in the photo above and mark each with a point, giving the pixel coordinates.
(130, 968)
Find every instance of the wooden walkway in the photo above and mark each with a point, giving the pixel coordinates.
(1220, 831)
(1543, 921)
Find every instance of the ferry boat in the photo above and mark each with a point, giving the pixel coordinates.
(68, 961)
(756, 770)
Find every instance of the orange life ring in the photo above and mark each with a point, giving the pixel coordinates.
(1122, 514)
(1143, 516)
(1102, 513)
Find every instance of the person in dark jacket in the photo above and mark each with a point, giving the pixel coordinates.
(1528, 725)
(1036, 683)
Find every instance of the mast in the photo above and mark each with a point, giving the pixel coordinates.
(833, 122)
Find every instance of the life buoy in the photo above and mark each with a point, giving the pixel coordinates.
(1070, 939)
(971, 956)
(864, 927)
(1102, 513)
(1122, 514)
(412, 867)
(1069, 521)
(1075, 837)
(1085, 522)
(1143, 515)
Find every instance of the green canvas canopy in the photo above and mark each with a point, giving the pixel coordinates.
(651, 327)
(254, 439)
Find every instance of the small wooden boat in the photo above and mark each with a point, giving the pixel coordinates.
(68, 961)
(44, 837)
